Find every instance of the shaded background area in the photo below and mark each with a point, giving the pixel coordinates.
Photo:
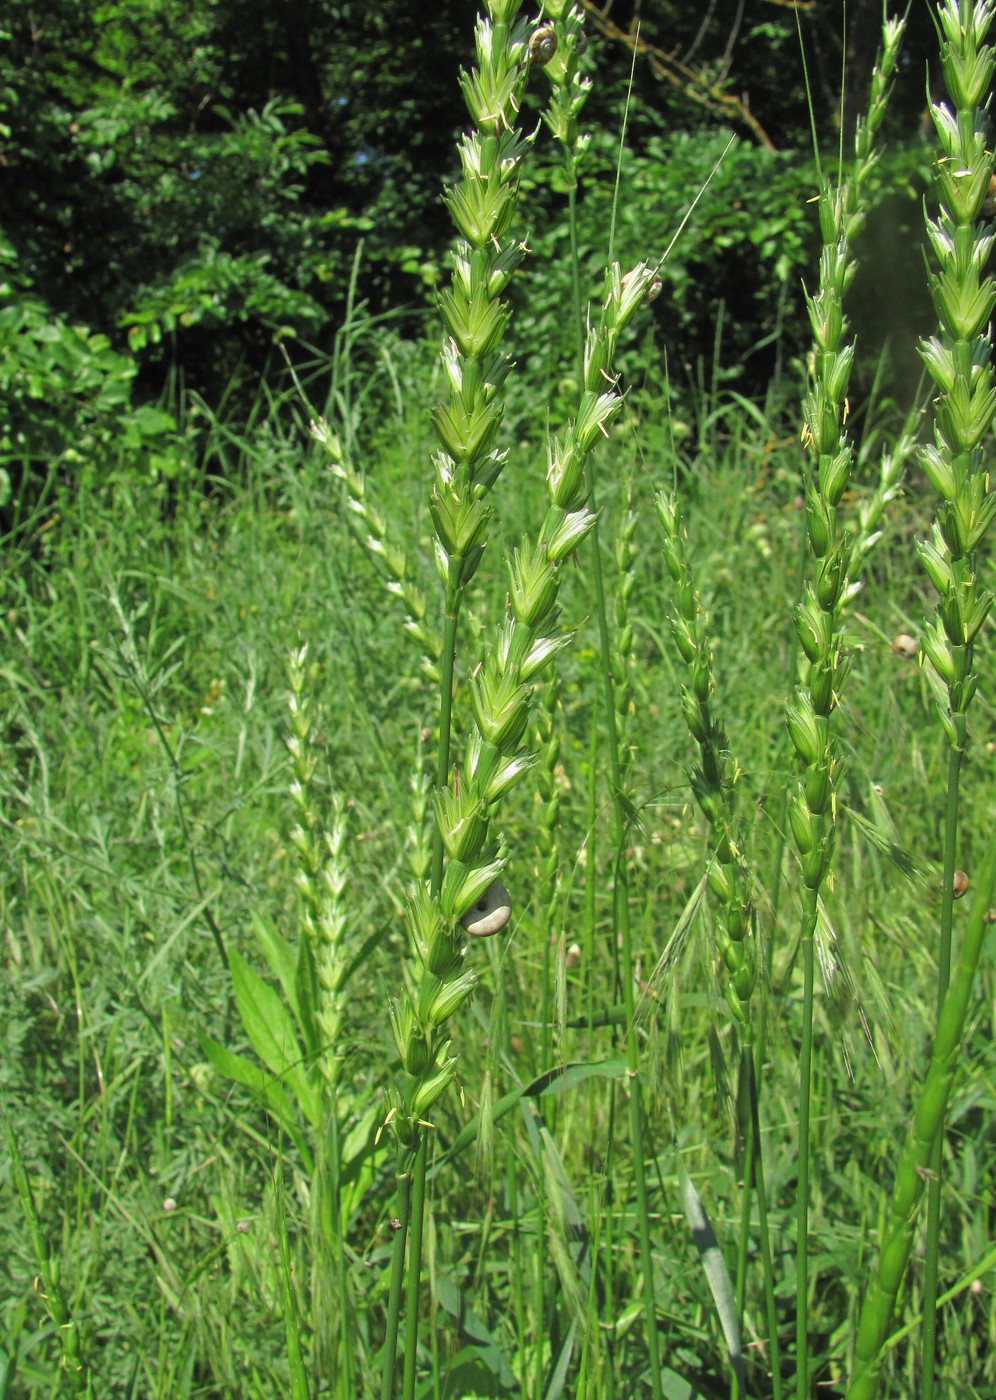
(183, 184)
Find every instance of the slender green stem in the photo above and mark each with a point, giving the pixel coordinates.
(932, 1244)
(292, 1331)
(512, 1203)
(400, 1226)
(624, 939)
(539, 1281)
(448, 666)
(802, 1188)
(416, 1226)
(762, 1221)
(896, 1238)
(572, 224)
(602, 1249)
(957, 465)
(590, 908)
(74, 1365)
(621, 888)
(338, 1243)
(414, 1183)
(745, 1214)
(546, 998)
(608, 1253)
(754, 1185)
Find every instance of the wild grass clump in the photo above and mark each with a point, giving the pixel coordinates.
(468, 894)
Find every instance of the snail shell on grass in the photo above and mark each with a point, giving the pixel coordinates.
(491, 913)
(542, 46)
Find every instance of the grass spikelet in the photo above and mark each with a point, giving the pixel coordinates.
(319, 839)
(813, 805)
(959, 362)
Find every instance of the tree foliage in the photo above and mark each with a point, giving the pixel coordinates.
(188, 180)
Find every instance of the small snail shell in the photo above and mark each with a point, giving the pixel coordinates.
(580, 44)
(654, 290)
(491, 913)
(542, 46)
(959, 884)
(989, 199)
(904, 645)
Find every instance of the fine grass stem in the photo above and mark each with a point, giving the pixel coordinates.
(569, 94)
(714, 785)
(813, 807)
(74, 1364)
(959, 361)
(467, 466)
(914, 1170)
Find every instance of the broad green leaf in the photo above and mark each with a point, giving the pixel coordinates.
(270, 1028)
(294, 970)
(279, 954)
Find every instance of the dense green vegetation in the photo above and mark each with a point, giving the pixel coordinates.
(183, 186)
(242, 1023)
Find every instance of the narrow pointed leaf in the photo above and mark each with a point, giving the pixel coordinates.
(306, 998)
(714, 1267)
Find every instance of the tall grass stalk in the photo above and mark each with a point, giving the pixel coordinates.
(468, 464)
(74, 1364)
(813, 807)
(959, 361)
(569, 93)
(271, 1202)
(319, 840)
(464, 894)
(471, 898)
(714, 786)
(914, 1170)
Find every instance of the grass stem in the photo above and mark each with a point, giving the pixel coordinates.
(400, 1227)
(416, 1226)
(932, 1241)
(802, 1184)
(623, 933)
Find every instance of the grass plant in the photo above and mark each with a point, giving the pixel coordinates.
(340, 1058)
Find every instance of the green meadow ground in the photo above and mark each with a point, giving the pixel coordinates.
(146, 627)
